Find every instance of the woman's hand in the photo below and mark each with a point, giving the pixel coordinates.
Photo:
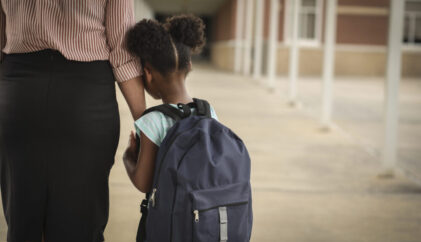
(130, 155)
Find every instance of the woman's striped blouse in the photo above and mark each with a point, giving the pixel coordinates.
(82, 30)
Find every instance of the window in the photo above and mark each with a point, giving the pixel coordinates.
(412, 23)
(310, 21)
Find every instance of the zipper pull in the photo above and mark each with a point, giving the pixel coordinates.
(152, 198)
(196, 215)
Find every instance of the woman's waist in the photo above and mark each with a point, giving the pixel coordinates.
(52, 63)
(91, 46)
(45, 54)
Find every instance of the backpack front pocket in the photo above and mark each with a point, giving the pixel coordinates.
(221, 213)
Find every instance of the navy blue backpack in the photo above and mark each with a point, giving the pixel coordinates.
(201, 187)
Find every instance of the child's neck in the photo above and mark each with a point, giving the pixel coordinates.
(184, 98)
(176, 92)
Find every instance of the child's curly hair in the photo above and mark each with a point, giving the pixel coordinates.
(154, 42)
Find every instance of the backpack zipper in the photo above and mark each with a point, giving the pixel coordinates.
(196, 215)
(152, 198)
(196, 211)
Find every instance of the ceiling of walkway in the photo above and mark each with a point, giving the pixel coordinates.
(199, 7)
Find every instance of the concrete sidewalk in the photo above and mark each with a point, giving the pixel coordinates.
(308, 185)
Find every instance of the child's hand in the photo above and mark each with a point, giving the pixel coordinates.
(130, 153)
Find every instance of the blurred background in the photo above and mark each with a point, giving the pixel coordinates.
(326, 94)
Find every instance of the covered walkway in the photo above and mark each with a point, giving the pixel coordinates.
(308, 185)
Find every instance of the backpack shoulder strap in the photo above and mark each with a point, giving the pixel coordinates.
(167, 110)
(203, 107)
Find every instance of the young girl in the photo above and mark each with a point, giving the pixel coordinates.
(165, 53)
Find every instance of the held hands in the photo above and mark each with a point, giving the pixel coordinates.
(130, 155)
(140, 164)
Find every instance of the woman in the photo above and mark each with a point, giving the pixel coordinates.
(59, 121)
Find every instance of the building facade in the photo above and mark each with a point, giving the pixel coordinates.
(361, 36)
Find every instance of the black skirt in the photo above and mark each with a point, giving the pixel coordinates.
(59, 131)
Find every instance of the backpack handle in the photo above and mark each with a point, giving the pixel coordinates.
(203, 107)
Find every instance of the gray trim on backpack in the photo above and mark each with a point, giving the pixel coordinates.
(223, 221)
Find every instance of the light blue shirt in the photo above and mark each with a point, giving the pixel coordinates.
(155, 125)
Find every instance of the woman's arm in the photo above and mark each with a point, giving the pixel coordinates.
(119, 17)
(133, 92)
(2, 32)
(140, 169)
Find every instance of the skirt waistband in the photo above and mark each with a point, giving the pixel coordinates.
(46, 55)
(52, 64)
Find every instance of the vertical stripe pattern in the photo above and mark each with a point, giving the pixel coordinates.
(81, 30)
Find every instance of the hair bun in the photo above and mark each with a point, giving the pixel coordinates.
(145, 37)
(187, 29)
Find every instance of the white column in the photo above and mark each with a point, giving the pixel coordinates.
(248, 37)
(328, 63)
(393, 76)
(258, 37)
(294, 52)
(272, 42)
(238, 35)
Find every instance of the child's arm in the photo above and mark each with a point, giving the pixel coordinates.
(140, 169)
